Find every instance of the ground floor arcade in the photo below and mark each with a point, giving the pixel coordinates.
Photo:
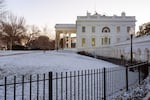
(65, 36)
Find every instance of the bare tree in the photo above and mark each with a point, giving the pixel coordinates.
(46, 31)
(2, 13)
(14, 27)
(3, 10)
(33, 34)
(2, 17)
(44, 43)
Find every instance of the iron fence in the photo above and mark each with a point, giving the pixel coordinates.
(97, 84)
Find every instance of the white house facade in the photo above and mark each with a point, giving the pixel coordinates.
(100, 30)
(104, 35)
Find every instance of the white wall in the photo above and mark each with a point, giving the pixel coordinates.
(141, 49)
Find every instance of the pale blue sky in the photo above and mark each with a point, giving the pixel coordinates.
(50, 12)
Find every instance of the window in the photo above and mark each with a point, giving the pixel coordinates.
(102, 41)
(93, 42)
(109, 41)
(83, 28)
(93, 29)
(105, 41)
(105, 30)
(128, 29)
(83, 42)
(118, 29)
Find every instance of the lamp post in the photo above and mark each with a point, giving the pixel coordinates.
(131, 34)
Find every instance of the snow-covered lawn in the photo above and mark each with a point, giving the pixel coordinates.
(27, 63)
(40, 62)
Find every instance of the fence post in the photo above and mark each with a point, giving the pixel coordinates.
(5, 88)
(22, 87)
(126, 77)
(56, 86)
(74, 85)
(66, 87)
(30, 87)
(85, 85)
(104, 83)
(37, 86)
(50, 86)
(44, 86)
(82, 84)
(139, 74)
(147, 68)
(14, 87)
(61, 85)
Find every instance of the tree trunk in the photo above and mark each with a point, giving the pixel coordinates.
(11, 43)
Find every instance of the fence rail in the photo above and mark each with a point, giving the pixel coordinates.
(97, 84)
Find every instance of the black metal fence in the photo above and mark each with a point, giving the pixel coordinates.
(97, 84)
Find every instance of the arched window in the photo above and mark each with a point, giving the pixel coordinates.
(105, 30)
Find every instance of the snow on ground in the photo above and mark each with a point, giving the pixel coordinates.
(20, 63)
(138, 92)
(37, 62)
(29, 62)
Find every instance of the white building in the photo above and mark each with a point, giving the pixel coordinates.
(103, 35)
(100, 30)
(94, 31)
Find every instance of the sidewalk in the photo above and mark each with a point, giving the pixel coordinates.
(11, 53)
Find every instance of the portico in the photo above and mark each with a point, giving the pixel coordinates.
(65, 36)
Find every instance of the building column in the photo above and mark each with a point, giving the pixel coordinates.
(69, 40)
(64, 40)
(57, 40)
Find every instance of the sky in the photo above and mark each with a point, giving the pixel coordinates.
(50, 12)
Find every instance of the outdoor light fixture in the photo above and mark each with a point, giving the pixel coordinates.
(131, 32)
